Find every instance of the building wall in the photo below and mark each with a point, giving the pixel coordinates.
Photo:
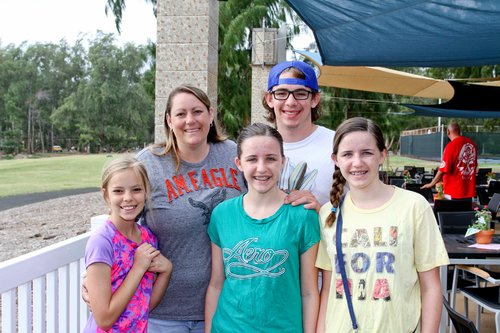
(187, 42)
(269, 48)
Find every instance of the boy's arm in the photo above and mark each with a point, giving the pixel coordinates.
(309, 289)
(214, 287)
(325, 291)
(299, 197)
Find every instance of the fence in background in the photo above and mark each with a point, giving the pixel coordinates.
(427, 144)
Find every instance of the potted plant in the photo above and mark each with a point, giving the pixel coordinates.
(490, 176)
(481, 226)
(440, 191)
(407, 177)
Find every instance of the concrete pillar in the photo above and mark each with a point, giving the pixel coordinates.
(259, 84)
(268, 49)
(186, 51)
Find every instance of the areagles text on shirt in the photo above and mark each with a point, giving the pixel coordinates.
(361, 262)
(180, 184)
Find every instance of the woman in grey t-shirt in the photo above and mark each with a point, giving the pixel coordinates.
(190, 173)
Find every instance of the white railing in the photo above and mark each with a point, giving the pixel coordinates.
(41, 290)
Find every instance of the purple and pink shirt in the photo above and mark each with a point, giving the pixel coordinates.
(109, 246)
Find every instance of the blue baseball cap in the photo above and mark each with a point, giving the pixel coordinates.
(310, 80)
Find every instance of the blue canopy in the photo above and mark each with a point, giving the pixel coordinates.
(406, 33)
(469, 101)
(435, 111)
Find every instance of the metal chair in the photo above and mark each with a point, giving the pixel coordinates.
(493, 187)
(425, 192)
(487, 297)
(461, 323)
(412, 169)
(481, 177)
(455, 222)
(494, 205)
(454, 205)
(427, 178)
(396, 180)
(419, 170)
(485, 194)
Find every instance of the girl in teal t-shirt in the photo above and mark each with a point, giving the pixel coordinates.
(263, 251)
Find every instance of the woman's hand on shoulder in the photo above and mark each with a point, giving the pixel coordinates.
(305, 197)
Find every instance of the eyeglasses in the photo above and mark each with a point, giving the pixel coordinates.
(299, 94)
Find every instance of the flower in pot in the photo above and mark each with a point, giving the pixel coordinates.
(481, 226)
(440, 191)
(490, 176)
(407, 177)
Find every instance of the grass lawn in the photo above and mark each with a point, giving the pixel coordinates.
(33, 175)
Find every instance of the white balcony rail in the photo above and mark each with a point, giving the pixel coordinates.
(41, 290)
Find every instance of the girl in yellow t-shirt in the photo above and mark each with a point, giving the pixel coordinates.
(388, 240)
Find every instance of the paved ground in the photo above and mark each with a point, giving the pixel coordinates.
(28, 199)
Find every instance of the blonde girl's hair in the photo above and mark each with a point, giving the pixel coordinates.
(122, 164)
(356, 124)
(215, 133)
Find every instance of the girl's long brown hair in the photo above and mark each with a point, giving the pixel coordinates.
(356, 124)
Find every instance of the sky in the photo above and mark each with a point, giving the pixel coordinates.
(52, 20)
(45, 21)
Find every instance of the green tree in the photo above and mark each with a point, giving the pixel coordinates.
(56, 73)
(110, 109)
(33, 81)
(13, 87)
(236, 20)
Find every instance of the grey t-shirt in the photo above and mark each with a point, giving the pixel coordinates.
(179, 213)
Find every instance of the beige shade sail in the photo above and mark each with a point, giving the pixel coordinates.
(384, 80)
(379, 79)
(489, 83)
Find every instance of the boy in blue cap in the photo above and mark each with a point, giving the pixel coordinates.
(293, 103)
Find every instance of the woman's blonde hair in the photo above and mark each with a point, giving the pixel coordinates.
(215, 133)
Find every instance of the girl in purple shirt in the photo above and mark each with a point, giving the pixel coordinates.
(126, 274)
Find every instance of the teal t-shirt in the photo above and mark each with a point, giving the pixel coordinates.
(261, 292)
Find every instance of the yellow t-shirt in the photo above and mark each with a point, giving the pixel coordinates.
(383, 248)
